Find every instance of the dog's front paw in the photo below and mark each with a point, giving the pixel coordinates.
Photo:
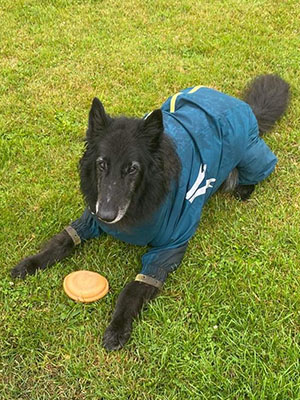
(116, 335)
(27, 266)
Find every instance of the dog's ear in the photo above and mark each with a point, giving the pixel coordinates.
(153, 128)
(97, 118)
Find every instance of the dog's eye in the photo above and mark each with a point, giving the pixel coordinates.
(102, 165)
(132, 169)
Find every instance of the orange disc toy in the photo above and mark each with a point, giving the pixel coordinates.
(85, 286)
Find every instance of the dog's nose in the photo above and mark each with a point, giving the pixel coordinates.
(107, 215)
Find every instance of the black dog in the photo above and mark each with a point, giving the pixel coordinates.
(146, 180)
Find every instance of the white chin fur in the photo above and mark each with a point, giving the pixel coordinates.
(97, 206)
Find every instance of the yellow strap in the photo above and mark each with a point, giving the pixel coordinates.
(173, 101)
(195, 89)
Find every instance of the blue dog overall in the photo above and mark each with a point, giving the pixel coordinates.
(213, 133)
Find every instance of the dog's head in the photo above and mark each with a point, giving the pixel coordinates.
(119, 153)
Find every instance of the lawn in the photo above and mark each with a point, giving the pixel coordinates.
(226, 325)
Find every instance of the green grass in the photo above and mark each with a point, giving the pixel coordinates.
(226, 325)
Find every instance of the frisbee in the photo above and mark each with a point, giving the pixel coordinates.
(85, 286)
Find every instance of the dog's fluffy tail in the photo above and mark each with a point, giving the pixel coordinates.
(268, 96)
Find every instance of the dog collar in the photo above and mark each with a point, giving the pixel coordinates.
(149, 280)
(73, 234)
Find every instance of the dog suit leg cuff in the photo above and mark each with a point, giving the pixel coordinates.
(73, 234)
(87, 226)
(149, 280)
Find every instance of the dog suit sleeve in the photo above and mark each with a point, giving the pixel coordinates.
(257, 163)
(159, 262)
(84, 228)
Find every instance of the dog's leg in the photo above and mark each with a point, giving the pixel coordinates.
(129, 304)
(231, 182)
(60, 246)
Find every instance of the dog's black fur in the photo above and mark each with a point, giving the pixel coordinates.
(146, 182)
(116, 142)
